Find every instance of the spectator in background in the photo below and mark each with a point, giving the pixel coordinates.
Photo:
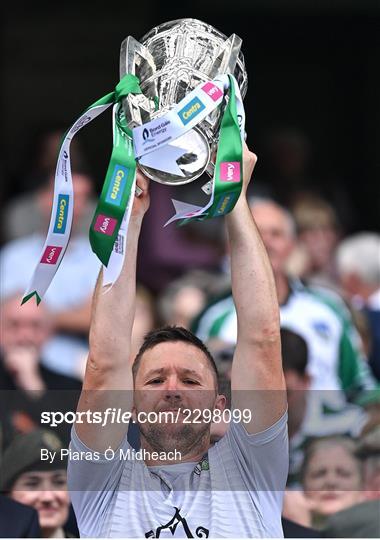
(369, 452)
(30, 213)
(336, 359)
(332, 477)
(358, 264)
(184, 298)
(305, 421)
(43, 153)
(318, 233)
(363, 520)
(70, 294)
(144, 322)
(28, 387)
(38, 483)
(336, 498)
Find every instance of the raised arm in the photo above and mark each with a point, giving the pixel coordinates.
(108, 379)
(257, 379)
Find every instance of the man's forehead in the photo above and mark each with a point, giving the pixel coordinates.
(161, 370)
(269, 216)
(268, 213)
(12, 307)
(174, 355)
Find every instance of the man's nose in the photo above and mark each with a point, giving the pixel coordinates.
(172, 388)
(25, 334)
(331, 481)
(47, 496)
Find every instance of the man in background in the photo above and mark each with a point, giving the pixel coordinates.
(358, 263)
(28, 387)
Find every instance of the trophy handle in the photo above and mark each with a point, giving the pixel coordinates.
(230, 60)
(231, 54)
(134, 58)
(137, 60)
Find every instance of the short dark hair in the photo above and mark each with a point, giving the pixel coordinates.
(172, 334)
(294, 352)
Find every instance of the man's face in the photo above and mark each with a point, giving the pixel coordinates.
(276, 233)
(320, 242)
(175, 376)
(333, 480)
(24, 326)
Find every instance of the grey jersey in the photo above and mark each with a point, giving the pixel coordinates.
(236, 490)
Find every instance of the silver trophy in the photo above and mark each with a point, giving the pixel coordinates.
(170, 61)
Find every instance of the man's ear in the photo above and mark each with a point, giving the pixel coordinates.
(220, 402)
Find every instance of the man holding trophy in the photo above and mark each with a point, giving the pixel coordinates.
(180, 103)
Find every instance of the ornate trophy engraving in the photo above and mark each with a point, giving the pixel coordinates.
(171, 60)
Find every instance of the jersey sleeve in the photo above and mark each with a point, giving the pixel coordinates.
(265, 455)
(263, 459)
(354, 371)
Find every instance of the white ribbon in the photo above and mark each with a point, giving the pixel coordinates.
(61, 218)
(152, 147)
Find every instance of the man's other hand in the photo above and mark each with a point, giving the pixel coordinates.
(249, 162)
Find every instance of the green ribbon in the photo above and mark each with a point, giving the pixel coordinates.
(119, 178)
(230, 151)
(122, 169)
(129, 84)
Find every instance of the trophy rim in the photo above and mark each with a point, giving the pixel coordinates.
(157, 28)
(240, 61)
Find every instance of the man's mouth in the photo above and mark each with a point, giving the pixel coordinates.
(178, 410)
(331, 496)
(49, 510)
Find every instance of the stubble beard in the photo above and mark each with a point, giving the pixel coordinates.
(183, 438)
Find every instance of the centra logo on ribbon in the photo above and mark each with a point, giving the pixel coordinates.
(105, 224)
(116, 188)
(212, 90)
(230, 171)
(191, 110)
(225, 204)
(51, 254)
(61, 215)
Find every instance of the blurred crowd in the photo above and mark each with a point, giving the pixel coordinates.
(328, 286)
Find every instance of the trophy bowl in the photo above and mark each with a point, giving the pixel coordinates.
(170, 61)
